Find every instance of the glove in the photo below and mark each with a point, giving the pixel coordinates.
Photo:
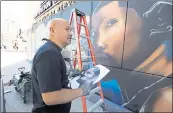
(86, 87)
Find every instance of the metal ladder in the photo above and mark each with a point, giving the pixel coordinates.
(78, 59)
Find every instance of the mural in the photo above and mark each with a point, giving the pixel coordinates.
(134, 40)
(108, 27)
(155, 31)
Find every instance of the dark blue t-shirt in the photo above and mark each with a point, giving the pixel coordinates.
(48, 74)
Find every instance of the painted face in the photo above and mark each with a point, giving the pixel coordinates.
(164, 103)
(109, 23)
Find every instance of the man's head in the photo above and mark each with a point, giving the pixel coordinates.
(60, 32)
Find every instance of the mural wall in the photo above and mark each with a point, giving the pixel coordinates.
(134, 40)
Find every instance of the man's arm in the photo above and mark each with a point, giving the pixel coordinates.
(67, 95)
(62, 96)
(48, 69)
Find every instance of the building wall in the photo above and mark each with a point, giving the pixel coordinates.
(132, 38)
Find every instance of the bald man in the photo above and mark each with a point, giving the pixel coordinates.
(51, 93)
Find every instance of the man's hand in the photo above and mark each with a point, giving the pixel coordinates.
(86, 87)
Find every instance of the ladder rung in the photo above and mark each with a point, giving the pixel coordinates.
(82, 36)
(85, 49)
(88, 62)
(97, 104)
(82, 25)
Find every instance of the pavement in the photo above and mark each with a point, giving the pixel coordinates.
(14, 102)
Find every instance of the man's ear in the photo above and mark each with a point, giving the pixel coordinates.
(51, 31)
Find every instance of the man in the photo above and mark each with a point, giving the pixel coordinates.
(49, 80)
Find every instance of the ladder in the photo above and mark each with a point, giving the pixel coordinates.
(79, 20)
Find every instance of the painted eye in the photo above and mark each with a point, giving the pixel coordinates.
(111, 22)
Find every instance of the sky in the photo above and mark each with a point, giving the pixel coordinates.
(22, 12)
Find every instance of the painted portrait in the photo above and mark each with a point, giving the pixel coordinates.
(135, 36)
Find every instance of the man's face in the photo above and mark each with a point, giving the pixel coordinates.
(112, 28)
(62, 33)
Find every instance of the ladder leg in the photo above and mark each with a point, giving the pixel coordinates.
(79, 26)
(80, 62)
(78, 41)
(84, 104)
(71, 17)
(74, 63)
(94, 60)
(89, 43)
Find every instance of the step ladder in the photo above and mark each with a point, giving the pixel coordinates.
(79, 20)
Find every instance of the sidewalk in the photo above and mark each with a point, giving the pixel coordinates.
(14, 102)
